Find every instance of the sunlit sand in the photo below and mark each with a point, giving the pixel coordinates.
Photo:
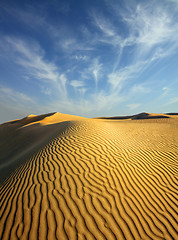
(68, 177)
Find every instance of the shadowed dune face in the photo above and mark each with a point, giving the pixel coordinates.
(95, 179)
(20, 139)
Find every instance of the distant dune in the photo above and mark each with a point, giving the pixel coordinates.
(143, 115)
(68, 177)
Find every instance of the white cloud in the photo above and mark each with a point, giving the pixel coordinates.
(60, 35)
(151, 26)
(14, 97)
(80, 57)
(103, 24)
(105, 101)
(105, 56)
(31, 57)
(93, 71)
(165, 90)
(148, 26)
(96, 69)
(76, 83)
(139, 88)
(72, 44)
(118, 78)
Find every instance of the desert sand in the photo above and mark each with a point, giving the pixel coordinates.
(68, 177)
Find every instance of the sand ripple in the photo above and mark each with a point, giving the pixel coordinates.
(96, 180)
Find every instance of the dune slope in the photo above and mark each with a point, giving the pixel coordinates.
(95, 179)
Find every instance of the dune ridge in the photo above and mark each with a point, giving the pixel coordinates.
(95, 179)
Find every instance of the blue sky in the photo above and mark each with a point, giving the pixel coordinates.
(88, 57)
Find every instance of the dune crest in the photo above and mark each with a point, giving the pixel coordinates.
(45, 119)
(91, 179)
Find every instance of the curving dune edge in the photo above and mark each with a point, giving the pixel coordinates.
(68, 177)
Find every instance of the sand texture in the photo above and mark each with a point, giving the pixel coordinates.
(67, 177)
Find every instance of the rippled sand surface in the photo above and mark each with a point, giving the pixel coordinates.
(89, 179)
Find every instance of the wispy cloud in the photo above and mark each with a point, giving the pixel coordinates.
(61, 36)
(148, 26)
(14, 96)
(93, 71)
(139, 88)
(103, 24)
(16, 104)
(77, 83)
(80, 57)
(31, 57)
(71, 44)
(151, 27)
(96, 69)
(165, 91)
(119, 78)
(95, 65)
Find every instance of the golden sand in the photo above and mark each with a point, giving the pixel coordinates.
(76, 178)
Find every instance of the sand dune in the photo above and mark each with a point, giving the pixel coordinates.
(78, 178)
(142, 115)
